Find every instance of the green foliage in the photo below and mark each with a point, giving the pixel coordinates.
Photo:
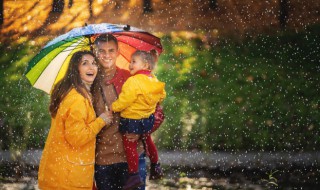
(271, 181)
(262, 94)
(24, 116)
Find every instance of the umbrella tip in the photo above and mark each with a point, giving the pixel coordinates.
(126, 28)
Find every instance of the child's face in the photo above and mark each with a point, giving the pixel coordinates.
(137, 64)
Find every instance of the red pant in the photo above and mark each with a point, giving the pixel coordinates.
(130, 149)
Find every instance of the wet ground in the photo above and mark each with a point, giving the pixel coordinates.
(172, 184)
(197, 170)
(231, 182)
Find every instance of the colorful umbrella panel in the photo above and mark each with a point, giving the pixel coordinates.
(50, 64)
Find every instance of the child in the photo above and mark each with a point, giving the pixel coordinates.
(137, 102)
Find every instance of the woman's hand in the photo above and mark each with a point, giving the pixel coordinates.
(107, 117)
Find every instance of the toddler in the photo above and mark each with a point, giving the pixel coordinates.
(137, 102)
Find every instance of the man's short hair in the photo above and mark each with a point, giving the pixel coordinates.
(106, 38)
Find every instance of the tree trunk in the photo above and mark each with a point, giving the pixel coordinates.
(283, 17)
(213, 4)
(147, 6)
(70, 3)
(1, 12)
(57, 6)
(90, 8)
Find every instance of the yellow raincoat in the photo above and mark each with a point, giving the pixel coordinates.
(69, 155)
(139, 97)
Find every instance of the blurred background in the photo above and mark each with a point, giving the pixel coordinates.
(242, 81)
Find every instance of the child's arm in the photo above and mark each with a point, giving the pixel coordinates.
(127, 96)
(163, 96)
(163, 93)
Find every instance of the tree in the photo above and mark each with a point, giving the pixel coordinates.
(70, 3)
(24, 117)
(90, 8)
(147, 6)
(57, 6)
(1, 12)
(283, 17)
(213, 4)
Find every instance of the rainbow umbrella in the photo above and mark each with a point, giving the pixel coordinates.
(50, 64)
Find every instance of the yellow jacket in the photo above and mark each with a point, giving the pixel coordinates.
(139, 97)
(68, 157)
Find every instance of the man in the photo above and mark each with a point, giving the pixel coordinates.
(111, 169)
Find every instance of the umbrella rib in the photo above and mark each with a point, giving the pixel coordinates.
(67, 52)
(75, 47)
(78, 46)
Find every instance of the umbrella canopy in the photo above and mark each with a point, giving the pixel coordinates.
(50, 65)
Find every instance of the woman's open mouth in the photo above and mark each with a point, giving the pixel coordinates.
(90, 74)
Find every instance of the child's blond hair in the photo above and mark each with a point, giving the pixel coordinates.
(148, 57)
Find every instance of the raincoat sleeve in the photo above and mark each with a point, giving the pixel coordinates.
(163, 93)
(128, 95)
(163, 96)
(78, 131)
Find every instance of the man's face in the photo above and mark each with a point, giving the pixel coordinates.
(107, 53)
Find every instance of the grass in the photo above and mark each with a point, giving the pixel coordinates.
(242, 96)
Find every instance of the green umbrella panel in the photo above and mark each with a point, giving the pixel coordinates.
(50, 65)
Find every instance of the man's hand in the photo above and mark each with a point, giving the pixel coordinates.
(132, 137)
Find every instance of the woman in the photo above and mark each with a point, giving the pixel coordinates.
(69, 155)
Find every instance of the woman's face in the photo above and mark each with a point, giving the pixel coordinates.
(88, 68)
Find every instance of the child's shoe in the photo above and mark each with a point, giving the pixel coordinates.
(155, 171)
(133, 181)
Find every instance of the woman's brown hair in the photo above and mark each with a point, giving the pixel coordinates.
(71, 80)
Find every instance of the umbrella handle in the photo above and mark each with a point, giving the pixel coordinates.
(90, 43)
